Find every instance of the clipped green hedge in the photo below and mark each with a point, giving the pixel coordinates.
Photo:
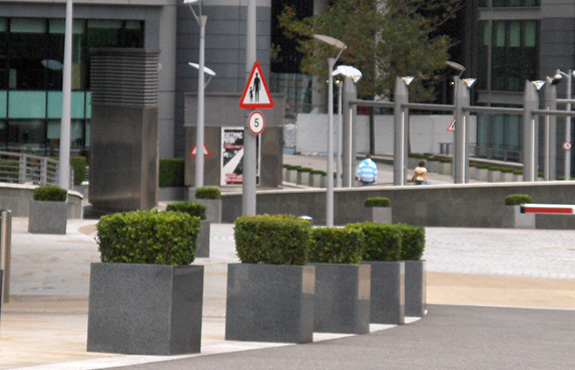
(171, 172)
(208, 193)
(412, 242)
(272, 239)
(336, 245)
(518, 199)
(149, 237)
(378, 202)
(50, 193)
(191, 208)
(79, 166)
(305, 169)
(319, 172)
(382, 242)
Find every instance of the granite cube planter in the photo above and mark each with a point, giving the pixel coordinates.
(270, 303)
(514, 219)
(481, 174)
(213, 210)
(47, 217)
(494, 176)
(381, 214)
(145, 309)
(291, 175)
(316, 180)
(203, 242)
(342, 298)
(387, 292)
(415, 289)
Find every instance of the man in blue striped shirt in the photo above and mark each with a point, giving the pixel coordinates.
(367, 171)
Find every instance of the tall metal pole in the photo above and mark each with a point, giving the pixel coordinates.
(339, 136)
(531, 103)
(349, 151)
(199, 174)
(329, 200)
(568, 128)
(461, 136)
(550, 133)
(64, 174)
(401, 97)
(249, 161)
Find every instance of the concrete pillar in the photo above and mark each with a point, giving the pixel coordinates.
(349, 132)
(530, 128)
(550, 144)
(401, 97)
(460, 155)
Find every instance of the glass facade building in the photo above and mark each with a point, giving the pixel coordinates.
(31, 55)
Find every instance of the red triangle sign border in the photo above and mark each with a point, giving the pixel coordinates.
(243, 105)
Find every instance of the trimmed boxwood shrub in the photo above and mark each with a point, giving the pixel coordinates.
(191, 208)
(335, 245)
(272, 239)
(208, 193)
(305, 169)
(50, 193)
(382, 242)
(149, 236)
(79, 165)
(377, 202)
(318, 172)
(412, 242)
(517, 199)
(171, 172)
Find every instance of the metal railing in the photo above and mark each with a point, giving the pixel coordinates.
(24, 168)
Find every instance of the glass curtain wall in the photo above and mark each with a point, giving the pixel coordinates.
(31, 55)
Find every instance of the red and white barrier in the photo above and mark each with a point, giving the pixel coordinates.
(548, 209)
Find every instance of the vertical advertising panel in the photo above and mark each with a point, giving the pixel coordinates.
(233, 154)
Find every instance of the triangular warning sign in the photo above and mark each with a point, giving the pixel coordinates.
(256, 94)
(206, 151)
(451, 127)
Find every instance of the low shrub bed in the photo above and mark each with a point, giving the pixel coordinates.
(149, 236)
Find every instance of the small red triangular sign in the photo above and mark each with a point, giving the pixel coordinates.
(256, 94)
(206, 151)
(451, 127)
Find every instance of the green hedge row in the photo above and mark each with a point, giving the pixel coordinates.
(285, 239)
(150, 237)
(171, 172)
(518, 199)
(50, 193)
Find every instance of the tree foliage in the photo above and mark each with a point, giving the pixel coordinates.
(384, 39)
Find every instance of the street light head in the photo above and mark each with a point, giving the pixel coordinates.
(555, 80)
(469, 81)
(408, 79)
(538, 84)
(206, 69)
(348, 71)
(191, 1)
(330, 41)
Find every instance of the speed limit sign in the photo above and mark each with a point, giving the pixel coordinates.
(256, 123)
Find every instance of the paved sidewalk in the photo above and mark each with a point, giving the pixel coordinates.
(44, 325)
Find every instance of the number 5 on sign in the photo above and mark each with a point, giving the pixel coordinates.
(256, 123)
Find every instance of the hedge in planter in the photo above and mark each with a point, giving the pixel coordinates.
(381, 251)
(380, 209)
(48, 210)
(412, 248)
(512, 216)
(211, 198)
(270, 295)
(342, 284)
(144, 297)
(197, 210)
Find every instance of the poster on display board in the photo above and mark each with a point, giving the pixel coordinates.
(233, 154)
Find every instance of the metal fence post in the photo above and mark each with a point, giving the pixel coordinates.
(5, 246)
(400, 114)
(530, 129)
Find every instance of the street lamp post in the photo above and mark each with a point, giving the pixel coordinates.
(64, 174)
(199, 164)
(331, 63)
(354, 74)
(569, 76)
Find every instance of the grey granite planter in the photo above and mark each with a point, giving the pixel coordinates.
(387, 292)
(203, 249)
(514, 219)
(342, 303)
(214, 209)
(481, 174)
(291, 175)
(48, 217)
(494, 176)
(415, 289)
(270, 303)
(145, 309)
(316, 180)
(381, 214)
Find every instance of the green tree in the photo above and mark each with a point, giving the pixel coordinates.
(385, 39)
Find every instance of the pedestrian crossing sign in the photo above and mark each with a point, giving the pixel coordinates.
(256, 94)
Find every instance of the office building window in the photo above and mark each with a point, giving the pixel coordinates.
(515, 54)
